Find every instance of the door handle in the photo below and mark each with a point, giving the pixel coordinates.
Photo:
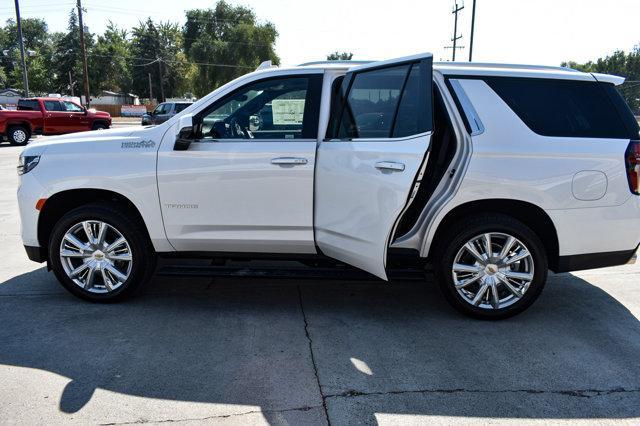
(390, 165)
(295, 161)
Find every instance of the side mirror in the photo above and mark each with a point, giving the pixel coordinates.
(184, 133)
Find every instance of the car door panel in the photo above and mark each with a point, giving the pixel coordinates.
(364, 183)
(230, 196)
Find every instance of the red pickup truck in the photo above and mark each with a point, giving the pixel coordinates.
(49, 116)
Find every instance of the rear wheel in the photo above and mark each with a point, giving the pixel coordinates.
(18, 135)
(493, 267)
(99, 254)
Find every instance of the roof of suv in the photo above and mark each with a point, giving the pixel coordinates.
(490, 69)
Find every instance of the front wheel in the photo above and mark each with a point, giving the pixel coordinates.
(99, 254)
(493, 267)
(100, 126)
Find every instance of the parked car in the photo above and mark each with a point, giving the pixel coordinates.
(490, 174)
(49, 116)
(163, 112)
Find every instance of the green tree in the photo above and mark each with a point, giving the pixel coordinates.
(339, 56)
(156, 50)
(226, 42)
(38, 49)
(110, 61)
(67, 57)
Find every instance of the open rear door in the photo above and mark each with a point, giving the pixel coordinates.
(368, 166)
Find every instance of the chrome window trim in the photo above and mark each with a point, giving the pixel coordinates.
(403, 138)
(477, 128)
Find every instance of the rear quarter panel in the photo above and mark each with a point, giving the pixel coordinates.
(510, 161)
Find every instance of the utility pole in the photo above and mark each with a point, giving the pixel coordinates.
(160, 74)
(25, 78)
(473, 26)
(85, 70)
(150, 89)
(71, 85)
(455, 38)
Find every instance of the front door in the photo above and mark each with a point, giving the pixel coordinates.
(245, 184)
(78, 121)
(367, 168)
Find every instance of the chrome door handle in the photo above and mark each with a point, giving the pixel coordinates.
(289, 161)
(390, 165)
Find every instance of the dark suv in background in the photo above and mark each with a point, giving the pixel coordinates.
(163, 112)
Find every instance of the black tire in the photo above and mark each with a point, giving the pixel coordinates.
(18, 135)
(142, 252)
(100, 126)
(467, 229)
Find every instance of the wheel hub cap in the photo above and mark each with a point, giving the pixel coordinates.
(96, 256)
(493, 270)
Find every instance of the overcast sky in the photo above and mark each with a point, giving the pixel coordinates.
(518, 31)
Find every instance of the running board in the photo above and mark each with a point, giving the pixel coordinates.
(284, 273)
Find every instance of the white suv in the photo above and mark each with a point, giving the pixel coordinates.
(491, 174)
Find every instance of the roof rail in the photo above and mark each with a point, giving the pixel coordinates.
(345, 62)
(507, 66)
(265, 65)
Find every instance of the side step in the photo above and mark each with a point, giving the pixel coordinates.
(294, 272)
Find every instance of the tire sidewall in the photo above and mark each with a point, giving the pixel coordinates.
(11, 138)
(100, 126)
(140, 267)
(472, 229)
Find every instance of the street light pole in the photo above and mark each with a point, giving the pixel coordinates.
(25, 78)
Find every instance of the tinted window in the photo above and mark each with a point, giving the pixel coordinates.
(412, 113)
(382, 103)
(53, 106)
(372, 103)
(279, 108)
(561, 107)
(180, 107)
(28, 105)
(161, 109)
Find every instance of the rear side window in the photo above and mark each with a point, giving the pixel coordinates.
(382, 103)
(53, 106)
(562, 108)
(180, 107)
(28, 105)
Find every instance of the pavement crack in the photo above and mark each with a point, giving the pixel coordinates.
(202, 419)
(581, 393)
(313, 358)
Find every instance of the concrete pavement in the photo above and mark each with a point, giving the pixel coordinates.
(249, 351)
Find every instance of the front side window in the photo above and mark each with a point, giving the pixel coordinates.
(71, 107)
(161, 109)
(382, 103)
(277, 108)
(53, 106)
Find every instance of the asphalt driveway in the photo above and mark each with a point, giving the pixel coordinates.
(253, 351)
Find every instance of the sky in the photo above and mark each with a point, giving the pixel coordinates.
(544, 32)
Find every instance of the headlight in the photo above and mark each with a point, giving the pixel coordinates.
(27, 163)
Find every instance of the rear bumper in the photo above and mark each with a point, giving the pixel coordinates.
(36, 254)
(595, 260)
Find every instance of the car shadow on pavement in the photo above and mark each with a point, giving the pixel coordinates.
(376, 349)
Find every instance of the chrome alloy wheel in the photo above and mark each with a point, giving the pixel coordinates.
(493, 270)
(96, 256)
(19, 136)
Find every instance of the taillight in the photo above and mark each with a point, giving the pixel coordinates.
(632, 158)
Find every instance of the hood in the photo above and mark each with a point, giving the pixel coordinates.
(90, 137)
(95, 113)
